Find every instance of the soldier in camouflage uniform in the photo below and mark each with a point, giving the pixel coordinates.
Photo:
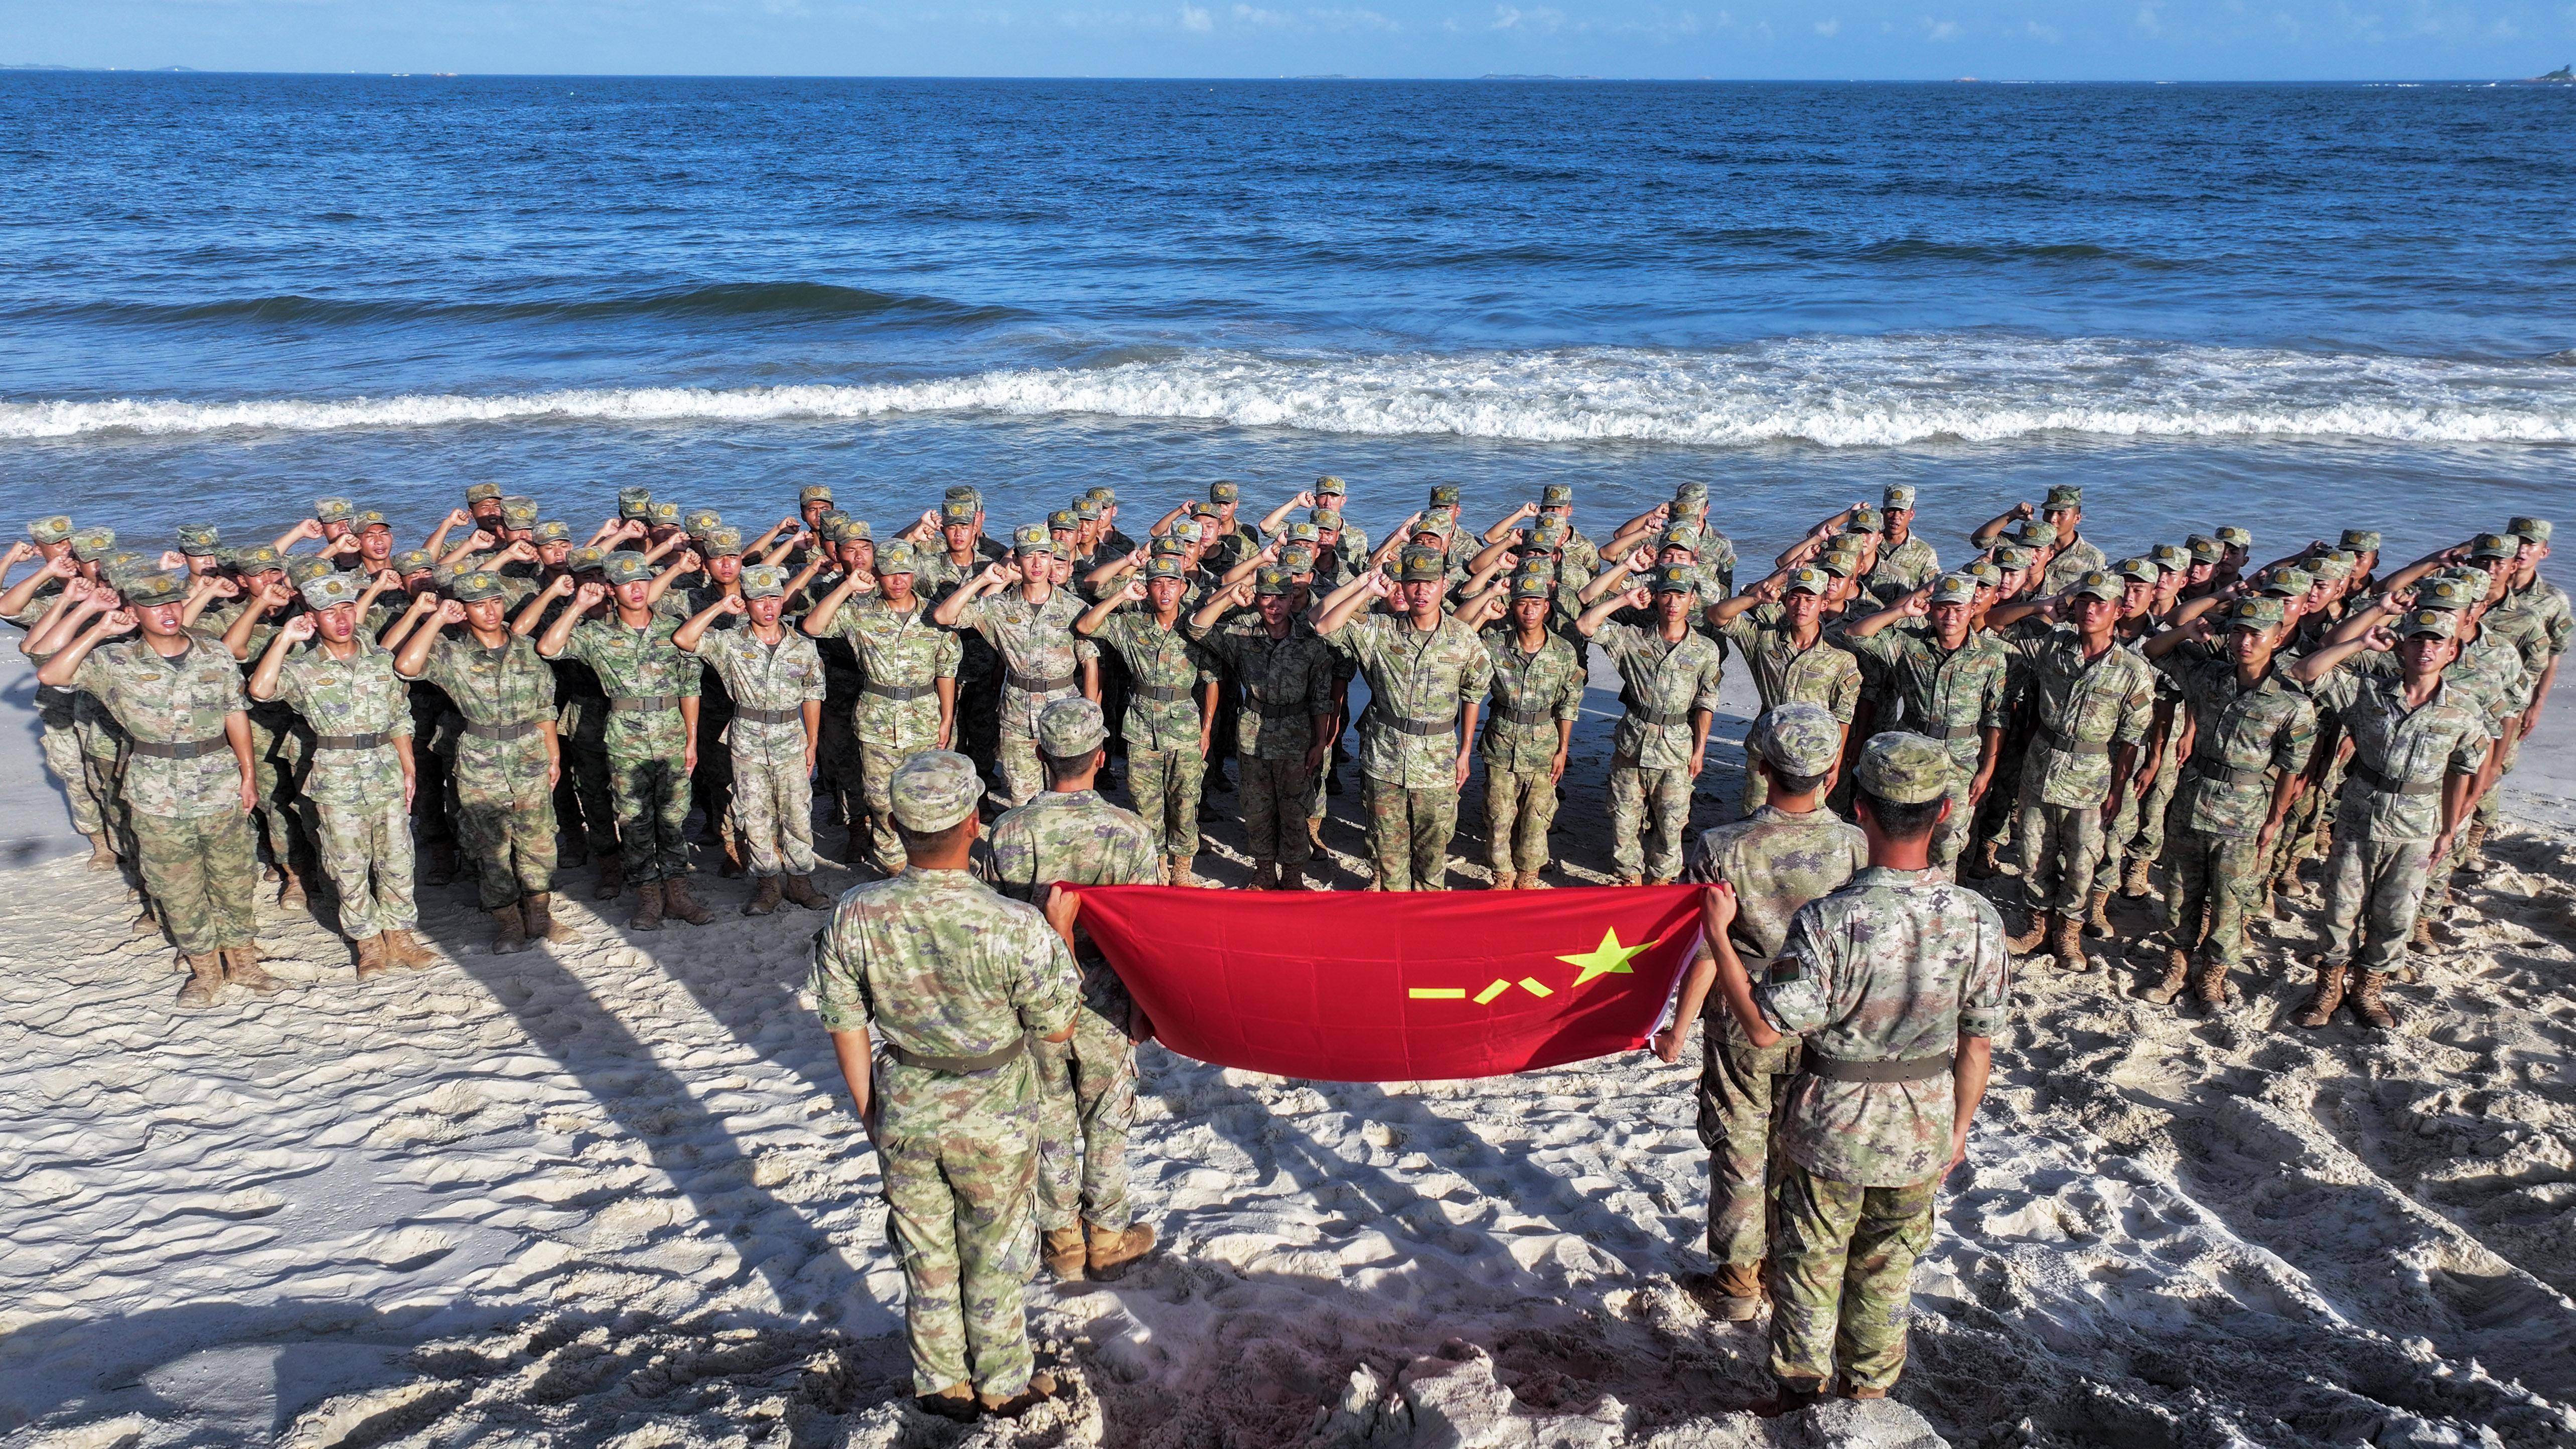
(1087, 1086)
(2413, 777)
(188, 779)
(2533, 615)
(948, 561)
(1538, 694)
(357, 793)
(1171, 706)
(26, 605)
(775, 677)
(1287, 679)
(958, 981)
(908, 667)
(1778, 630)
(1906, 560)
(2252, 732)
(1424, 669)
(2487, 674)
(1954, 682)
(507, 758)
(652, 742)
(1668, 677)
(1032, 630)
(719, 544)
(245, 625)
(1789, 851)
(2069, 556)
(1897, 984)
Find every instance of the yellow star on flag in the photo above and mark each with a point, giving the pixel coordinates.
(1606, 959)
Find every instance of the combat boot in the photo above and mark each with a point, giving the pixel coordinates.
(2320, 1006)
(405, 950)
(2271, 908)
(2212, 985)
(1265, 875)
(509, 930)
(2177, 975)
(538, 910)
(677, 901)
(442, 863)
(612, 878)
(648, 907)
(1531, 882)
(2097, 919)
(732, 867)
(2475, 851)
(1107, 1248)
(1042, 1387)
(145, 922)
(1065, 1254)
(573, 856)
(2067, 945)
(1506, 880)
(2137, 885)
(1181, 873)
(1739, 1293)
(2421, 938)
(292, 892)
(242, 968)
(800, 889)
(205, 978)
(764, 897)
(1989, 859)
(2366, 1001)
(102, 856)
(371, 958)
(955, 1403)
(1634, 880)
(1293, 877)
(2043, 927)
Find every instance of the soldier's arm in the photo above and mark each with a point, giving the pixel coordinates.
(422, 619)
(1717, 906)
(60, 670)
(558, 635)
(272, 662)
(1598, 611)
(525, 622)
(826, 612)
(1984, 536)
(1329, 613)
(237, 638)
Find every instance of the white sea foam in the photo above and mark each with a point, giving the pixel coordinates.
(1833, 391)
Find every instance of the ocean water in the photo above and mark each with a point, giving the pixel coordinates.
(2292, 307)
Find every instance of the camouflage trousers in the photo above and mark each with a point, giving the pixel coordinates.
(1273, 793)
(2374, 888)
(1998, 812)
(1086, 1104)
(1520, 805)
(1408, 834)
(2220, 875)
(585, 769)
(651, 798)
(979, 703)
(1950, 837)
(711, 783)
(1165, 786)
(63, 756)
(508, 829)
(199, 874)
(1842, 1267)
(366, 853)
(2060, 846)
(1743, 1090)
(1649, 811)
(877, 764)
(837, 772)
(2304, 829)
(2138, 831)
(1015, 759)
(277, 760)
(106, 776)
(958, 1156)
(773, 815)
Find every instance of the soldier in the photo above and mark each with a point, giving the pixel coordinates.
(359, 788)
(1668, 676)
(1171, 707)
(958, 980)
(651, 740)
(1897, 983)
(26, 604)
(2134, 835)
(2411, 782)
(1711, 552)
(775, 677)
(245, 626)
(2070, 556)
(1287, 677)
(507, 757)
(1906, 560)
(1031, 630)
(2534, 616)
(1538, 694)
(1778, 629)
(1425, 669)
(2091, 702)
(1789, 851)
(1954, 681)
(188, 782)
(720, 547)
(908, 699)
(1086, 1086)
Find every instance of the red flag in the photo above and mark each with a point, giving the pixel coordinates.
(1352, 986)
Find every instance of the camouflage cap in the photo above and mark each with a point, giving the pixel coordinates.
(519, 511)
(1224, 492)
(1164, 566)
(934, 789)
(2494, 545)
(2286, 582)
(764, 581)
(1060, 548)
(2335, 564)
(1167, 545)
(2172, 558)
(258, 559)
(1301, 533)
(200, 540)
(418, 561)
(122, 568)
(662, 514)
(152, 588)
(366, 518)
(2360, 540)
(1325, 519)
(2531, 530)
(847, 530)
(584, 560)
(1272, 579)
(1086, 508)
(1904, 768)
(474, 588)
(1898, 498)
(2014, 559)
(2445, 592)
(1690, 494)
(1064, 519)
(1679, 535)
(1809, 580)
(1532, 586)
(814, 493)
(1205, 509)
(2032, 533)
(2421, 623)
(698, 522)
(333, 510)
(332, 589)
(626, 566)
(722, 541)
(491, 493)
(963, 493)
(1556, 495)
(554, 530)
(1444, 495)
(1031, 538)
(1675, 579)
(634, 503)
(50, 530)
(1329, 486)
(1797, 737)
(1866, 520)
(2100, 585)
(93, 543)
(1987, 575)
(1839, 563)
(2138, 570)
(2205, 549)
(2256, 611)
(1958, 588)
(1102, 494)
(956, 511)
(1549, 534)
(303, 571)
(2234, 537)
(1070, 727)
(898, 557)
(1298, 559)
(2063, 495)
(1422, 566)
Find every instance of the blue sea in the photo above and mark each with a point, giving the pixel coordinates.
(2292, 307)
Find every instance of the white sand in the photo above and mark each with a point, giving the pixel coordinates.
(610, 1193)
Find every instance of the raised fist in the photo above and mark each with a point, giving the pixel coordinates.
(733, 604)
(589, 594)
(450, 612)
(117, 621)
(297, 629)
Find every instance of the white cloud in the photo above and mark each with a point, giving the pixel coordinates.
(2046, 34)
(1940, 29)
(1352, 20)
(1195, 18)
(1537, 17)
(1274, 19)
(1829, 28)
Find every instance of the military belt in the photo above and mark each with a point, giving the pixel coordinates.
(1159, 693)
(2385, 784)
(769, 716)
(2226, 774)
(1948, 732)
(1422, 727)
(183, 750)
(1526, 717)
(637, 703)
(351, 742)
(1901, 1069)
(2055, 741)
(519, 730)
(898, 693)
(1664, 719)
(1027, 684)
(1270, 710)
(960, 1065)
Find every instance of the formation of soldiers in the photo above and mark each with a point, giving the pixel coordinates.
(2181, 720)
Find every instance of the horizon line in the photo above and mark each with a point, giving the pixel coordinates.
(1490, 77)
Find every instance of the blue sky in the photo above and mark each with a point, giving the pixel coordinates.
(1750, 39)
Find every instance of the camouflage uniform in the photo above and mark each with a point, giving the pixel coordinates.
(773, 796)
(1285, 683)
(2391, 808)
(979, 665)
(1661, 682)
(2490, 669)
(2244, 739)
(2076, 556)
(1900, 570)
(1950, 695)
(1418, 683)
(1885, 975)
(1041, 663)
(277, 743)
(646, 676)
(953, 979)
(356, 708)
(193, 843)
(2083, 710)
(2539, 623)
(1822, 673)
(58, 735)
(1532, 692)
(1165, 766)
(902, 655)
(505, 809)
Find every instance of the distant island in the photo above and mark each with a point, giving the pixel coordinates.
(2564, 75)
(1537, 77)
